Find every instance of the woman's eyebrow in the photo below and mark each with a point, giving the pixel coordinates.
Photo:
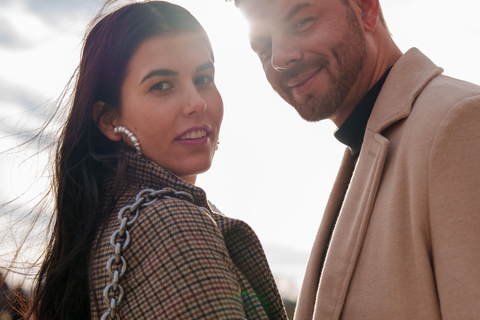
(204, 66)
(169, 72)
(159, 72)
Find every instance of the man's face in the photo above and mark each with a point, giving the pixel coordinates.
(312, 52)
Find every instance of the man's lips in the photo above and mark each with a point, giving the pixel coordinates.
(302, 79)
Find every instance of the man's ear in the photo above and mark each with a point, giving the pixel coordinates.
(105, 121)
(369, 13)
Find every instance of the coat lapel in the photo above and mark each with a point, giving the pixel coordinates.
(349, 232)
(307, 300)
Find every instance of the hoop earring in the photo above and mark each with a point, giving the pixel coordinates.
(218, 142)
(131, 136)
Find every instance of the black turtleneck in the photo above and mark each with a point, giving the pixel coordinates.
(351, 132)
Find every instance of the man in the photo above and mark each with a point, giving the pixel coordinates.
(400, 236)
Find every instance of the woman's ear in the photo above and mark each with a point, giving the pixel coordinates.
(104, 121)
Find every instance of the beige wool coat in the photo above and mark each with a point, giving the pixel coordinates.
(406, 244)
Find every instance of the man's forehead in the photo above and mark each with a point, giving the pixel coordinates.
(255, 10)
(268, 11)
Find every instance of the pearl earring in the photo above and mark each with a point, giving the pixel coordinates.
(131, 136)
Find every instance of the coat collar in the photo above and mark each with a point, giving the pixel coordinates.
(409, 76)
(143, 173)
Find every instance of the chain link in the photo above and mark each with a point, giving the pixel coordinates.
(120, 239)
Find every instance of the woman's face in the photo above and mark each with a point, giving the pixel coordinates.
(170, 102)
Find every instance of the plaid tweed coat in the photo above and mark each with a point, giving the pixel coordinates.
(183, 262)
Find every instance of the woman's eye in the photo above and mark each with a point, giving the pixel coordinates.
(204, 80)
(159, 86)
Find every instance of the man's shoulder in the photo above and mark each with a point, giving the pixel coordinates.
(442, 98)
(417, 89)
(418, 96)
(444, 92)
(416, 72)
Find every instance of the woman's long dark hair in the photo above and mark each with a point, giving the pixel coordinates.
(83, 152)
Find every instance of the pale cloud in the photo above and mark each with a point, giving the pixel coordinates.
(21, 27)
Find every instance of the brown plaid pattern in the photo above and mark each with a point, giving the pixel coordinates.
(183, 262)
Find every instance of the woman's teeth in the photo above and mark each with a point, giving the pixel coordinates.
(194, 135)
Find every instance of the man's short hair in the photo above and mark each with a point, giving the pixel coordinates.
(380, 12)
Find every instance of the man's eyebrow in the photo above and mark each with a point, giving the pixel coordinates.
(159, 72)
(295, 10)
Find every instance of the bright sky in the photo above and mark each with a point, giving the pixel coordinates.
(272, 169)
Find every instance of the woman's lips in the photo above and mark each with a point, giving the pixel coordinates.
(194, 136)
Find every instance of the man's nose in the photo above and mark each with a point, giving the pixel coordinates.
(284, 53)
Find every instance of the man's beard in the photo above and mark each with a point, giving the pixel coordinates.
(350, 55)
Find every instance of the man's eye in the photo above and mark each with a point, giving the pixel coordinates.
(203, 80)
(159, 86)
(262, 46)
(265, 52)
(303, 24)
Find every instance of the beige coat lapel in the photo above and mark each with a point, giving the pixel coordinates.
(307, 300)
(405, 81)
(350, 229)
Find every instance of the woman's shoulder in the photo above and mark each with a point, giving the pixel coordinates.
(174, 211)
(175, 220)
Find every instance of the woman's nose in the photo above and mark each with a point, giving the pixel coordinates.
(194, 104)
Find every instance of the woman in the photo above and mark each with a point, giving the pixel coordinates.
(144, 121)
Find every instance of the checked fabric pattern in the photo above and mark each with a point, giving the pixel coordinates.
(184, 261)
